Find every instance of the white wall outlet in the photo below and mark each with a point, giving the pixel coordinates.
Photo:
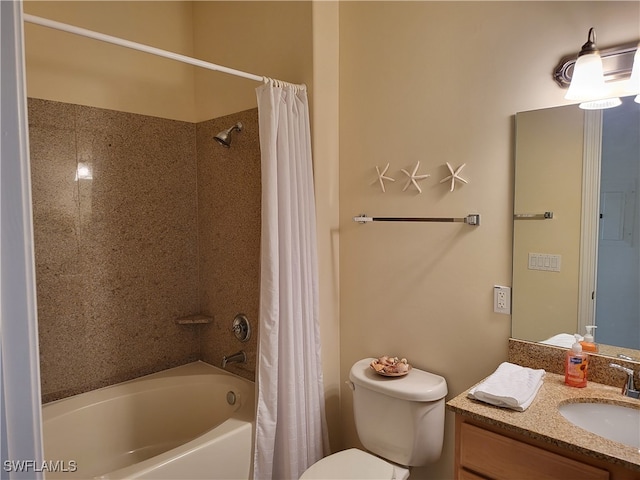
(501, 299)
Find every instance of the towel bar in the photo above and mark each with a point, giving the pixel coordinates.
(471, 219)
(533, 216)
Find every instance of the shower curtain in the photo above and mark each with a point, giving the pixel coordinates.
(291, 429)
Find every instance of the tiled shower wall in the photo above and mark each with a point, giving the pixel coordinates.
(119, 250)
(229, 190)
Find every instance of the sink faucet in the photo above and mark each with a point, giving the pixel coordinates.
(239, 357)
(625, 357)
(628, 389)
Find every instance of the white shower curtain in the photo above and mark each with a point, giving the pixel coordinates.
(290, 423)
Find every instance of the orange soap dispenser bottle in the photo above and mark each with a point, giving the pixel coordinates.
(588, 345)
(576, 365)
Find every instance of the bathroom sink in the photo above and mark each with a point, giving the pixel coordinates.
(615, 422)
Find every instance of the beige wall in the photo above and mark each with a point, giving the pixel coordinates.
(436, 82)
(273, 39)
(548, 177)
(73, 69)
(325, 132)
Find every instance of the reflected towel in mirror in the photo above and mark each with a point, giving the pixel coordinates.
(564, 340)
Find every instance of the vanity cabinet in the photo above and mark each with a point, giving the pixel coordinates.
(485, 451)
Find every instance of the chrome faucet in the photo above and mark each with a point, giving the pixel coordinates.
(622, 356)
(628, 389)
(239, 357)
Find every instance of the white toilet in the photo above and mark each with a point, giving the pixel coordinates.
(399, 419)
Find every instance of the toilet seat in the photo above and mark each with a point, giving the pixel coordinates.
(354, 464)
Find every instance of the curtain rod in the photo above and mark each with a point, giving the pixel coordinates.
(45, 22)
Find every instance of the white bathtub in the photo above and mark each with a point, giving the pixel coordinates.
(175, 424)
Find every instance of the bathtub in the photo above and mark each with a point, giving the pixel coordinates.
(190, 422)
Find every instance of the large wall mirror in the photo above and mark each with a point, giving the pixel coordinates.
(576, 259)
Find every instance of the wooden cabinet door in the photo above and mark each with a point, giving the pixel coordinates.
(502, 458)
(464, 474)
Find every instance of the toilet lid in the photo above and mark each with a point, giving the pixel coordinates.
(353, 464)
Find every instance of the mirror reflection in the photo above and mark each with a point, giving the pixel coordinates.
(581, 267)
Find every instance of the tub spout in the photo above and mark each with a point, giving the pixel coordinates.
(239, 357)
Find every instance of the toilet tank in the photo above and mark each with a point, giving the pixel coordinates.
(399, 418)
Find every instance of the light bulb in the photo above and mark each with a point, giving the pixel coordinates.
(587, 81)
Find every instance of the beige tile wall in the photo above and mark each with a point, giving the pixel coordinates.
(117, 255)
(229, 189)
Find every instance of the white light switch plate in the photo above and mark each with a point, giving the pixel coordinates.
(545, 261)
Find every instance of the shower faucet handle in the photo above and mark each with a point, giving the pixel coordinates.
(241, 327)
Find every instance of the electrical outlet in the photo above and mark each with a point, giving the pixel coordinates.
(501, 299)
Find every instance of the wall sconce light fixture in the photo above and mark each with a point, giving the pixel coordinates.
(587, 83)
(593, 74)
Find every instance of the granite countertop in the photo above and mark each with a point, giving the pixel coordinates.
(543, 421)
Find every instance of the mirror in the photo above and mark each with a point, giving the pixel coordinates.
(582, 266)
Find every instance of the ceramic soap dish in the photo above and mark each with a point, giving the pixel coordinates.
(390, 366)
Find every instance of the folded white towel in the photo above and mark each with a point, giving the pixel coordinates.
(510, 386)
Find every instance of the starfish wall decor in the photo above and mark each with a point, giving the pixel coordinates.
(382, 176)
(455, 175)
(413, 178)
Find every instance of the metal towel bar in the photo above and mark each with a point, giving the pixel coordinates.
(471, 219)
(533, 216)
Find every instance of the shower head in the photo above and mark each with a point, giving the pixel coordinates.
(224, 137)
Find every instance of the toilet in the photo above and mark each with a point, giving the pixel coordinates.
(399, 420)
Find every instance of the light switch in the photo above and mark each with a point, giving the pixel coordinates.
(545, 261)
